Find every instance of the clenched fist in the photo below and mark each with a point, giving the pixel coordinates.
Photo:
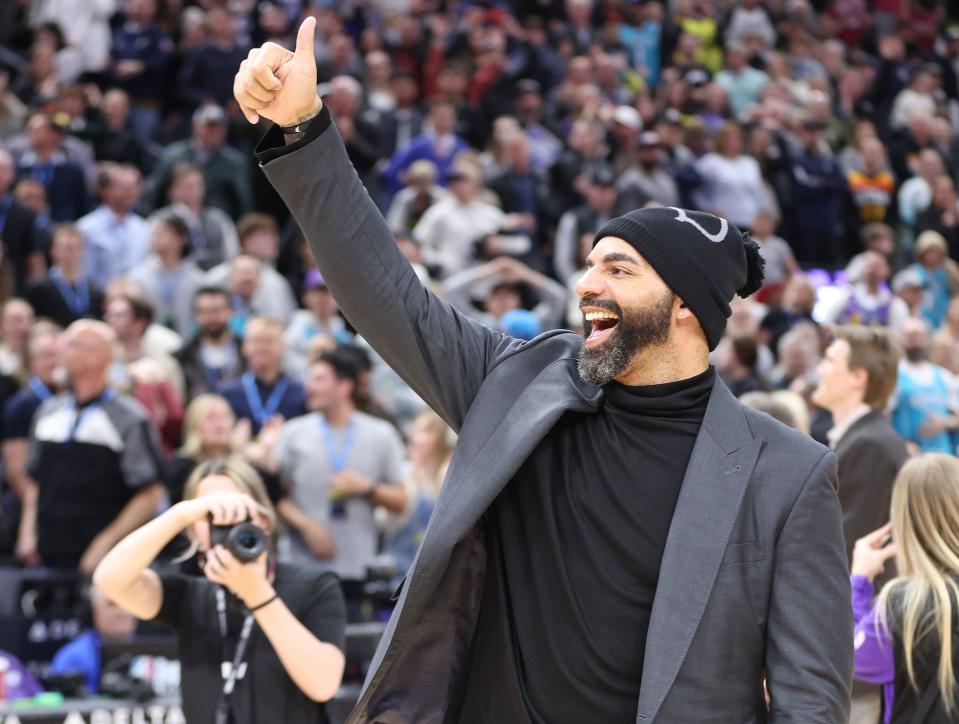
(278, 84)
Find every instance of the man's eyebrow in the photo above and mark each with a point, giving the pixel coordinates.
(615, 256)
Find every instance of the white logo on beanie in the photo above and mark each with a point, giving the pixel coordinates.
(715, 238)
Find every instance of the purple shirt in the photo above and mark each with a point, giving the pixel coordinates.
(873, 658)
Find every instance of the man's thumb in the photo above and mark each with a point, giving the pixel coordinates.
(304, 39)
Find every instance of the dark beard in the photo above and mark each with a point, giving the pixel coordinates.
(217, 334)
(635, 330)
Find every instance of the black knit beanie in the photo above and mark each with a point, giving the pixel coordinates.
(702, 258)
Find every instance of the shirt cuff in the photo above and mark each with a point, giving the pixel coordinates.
(273, 145)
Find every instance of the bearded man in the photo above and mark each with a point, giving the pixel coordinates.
(617, 539)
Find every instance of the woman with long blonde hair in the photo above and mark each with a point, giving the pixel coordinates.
(905, 640)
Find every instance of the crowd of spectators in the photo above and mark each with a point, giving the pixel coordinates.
(496, 138)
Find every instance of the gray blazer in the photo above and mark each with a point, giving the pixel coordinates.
(754, 580)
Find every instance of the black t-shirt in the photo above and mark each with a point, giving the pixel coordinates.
(47, 301)
(575, 544)
(265, 693)
(18, 414)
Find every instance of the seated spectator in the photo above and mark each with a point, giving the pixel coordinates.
(915, 194)
(797, 355)
(158, 339)
(225, 170)
(742, 83)
(647, 180)
(583, 222)
(167, 278)
(335, 486)
(16, 320)
(865, 299)
(452, 228)
(260, 239)
(82, 655)
(946, 339)
(264, 390)
(94, 456)
(154, 379)
(44, 161)
(65, 294)
(23, 241)
(817, 184)
(117, 238)
(207, 70)
(923, 412)
(736, 363)
(942, 214)
(520, 189)
(213, 237)
(45, 379)
(938, 274)
(732, 181)
(429, 450)
(140, 55)
(319, 317)
(780, 262)
(419, 194)
(212, 357)
(500, 284)
(901, 636)
(871, 193)
(439, 144)
(119, 144)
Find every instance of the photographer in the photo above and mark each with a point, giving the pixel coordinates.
(270, 649)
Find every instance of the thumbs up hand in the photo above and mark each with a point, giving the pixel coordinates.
(279, 84)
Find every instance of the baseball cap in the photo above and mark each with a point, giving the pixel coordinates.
(628, 116)
(209, 114)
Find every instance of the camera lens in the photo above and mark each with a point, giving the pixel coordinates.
(246, 541)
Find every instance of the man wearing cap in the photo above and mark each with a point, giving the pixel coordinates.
(617, 539)
(224, 169)
(647, 180)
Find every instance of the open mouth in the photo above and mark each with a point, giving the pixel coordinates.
(599, 327)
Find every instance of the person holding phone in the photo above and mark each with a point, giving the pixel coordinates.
(258, 641)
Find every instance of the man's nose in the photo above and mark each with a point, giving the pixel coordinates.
(589, 284)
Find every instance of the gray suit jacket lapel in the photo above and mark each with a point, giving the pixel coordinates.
(719, 469)
(481, 473)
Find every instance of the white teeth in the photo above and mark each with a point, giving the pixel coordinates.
(590, 316)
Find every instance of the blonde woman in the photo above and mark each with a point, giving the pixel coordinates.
(211, 431)
(898, 639)
(258, 641)
(429, 450)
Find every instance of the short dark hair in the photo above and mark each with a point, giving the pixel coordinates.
(176, 224)
(874, 350)
(142, 309)
(343, 362)
(210, 290)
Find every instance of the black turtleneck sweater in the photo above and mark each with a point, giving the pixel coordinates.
(575, 544)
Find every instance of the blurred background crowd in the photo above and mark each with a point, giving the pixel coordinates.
(496, 138)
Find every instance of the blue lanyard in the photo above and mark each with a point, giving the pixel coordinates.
(338, 456)
(259, 411)
(86, 410)
(77, 299)
(39, 389)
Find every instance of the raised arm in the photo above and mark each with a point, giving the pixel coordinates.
(441, 354)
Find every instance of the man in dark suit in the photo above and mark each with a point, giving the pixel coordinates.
(856, 377)
(618, 538)
(44, 161)
(22, 240)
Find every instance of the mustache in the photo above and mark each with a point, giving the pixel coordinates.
(608, 304)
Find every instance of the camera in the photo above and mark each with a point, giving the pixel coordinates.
(245, 540)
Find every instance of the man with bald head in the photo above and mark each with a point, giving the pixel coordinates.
(94, 455)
